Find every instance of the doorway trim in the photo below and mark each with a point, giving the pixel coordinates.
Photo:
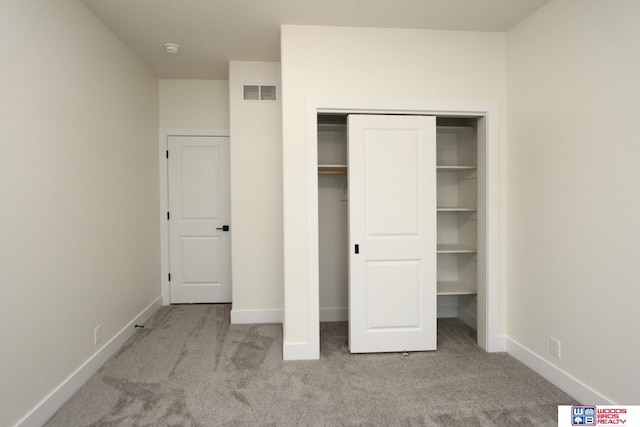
(163, 141)
(488, 307)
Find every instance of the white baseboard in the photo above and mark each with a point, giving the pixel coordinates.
(471, 319)
(299, 351)
(50, 404)
(256, 316)
(565, 382)
(497, 344)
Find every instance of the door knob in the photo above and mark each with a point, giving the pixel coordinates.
(223, 228)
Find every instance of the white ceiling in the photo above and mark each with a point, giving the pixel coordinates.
(213, 32)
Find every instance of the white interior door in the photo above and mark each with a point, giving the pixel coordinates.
(392, 233)
(199, 245)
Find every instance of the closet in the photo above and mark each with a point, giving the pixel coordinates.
(333, 231)
(457, 230)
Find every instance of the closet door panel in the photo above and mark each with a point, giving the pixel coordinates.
(391, 202)
(392, 233)
(392, 306)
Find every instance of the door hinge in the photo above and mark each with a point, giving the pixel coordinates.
(167, 154)
(168, 215)
(169, 276)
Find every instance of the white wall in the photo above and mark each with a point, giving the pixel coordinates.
(194, 104)
(256, 195)
(574, 270)
(79, 224)
(368, 63)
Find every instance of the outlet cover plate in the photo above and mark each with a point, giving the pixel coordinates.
(97, 335)
(554, 347)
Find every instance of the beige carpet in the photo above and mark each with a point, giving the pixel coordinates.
(189, 367)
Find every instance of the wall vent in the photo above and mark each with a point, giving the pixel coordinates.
(260, 93)
(251, 92)
(268, 93)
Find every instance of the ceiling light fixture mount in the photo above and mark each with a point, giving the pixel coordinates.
(172, 48)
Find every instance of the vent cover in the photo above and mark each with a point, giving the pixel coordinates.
(251, 93)
(260, 93)
(268, 93)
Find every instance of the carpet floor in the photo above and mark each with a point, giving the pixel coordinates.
(190, 367)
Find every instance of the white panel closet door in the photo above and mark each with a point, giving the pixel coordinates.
(199, 247)
(392, 233)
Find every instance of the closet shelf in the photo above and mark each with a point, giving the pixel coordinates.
(456, 168)
(454, 248)
(332, 127)
(455, 288)
(330, 172)
(456, 209)
(453, 129)
(332, 169)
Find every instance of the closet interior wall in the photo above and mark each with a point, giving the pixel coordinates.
(457, 224)
(333, 219)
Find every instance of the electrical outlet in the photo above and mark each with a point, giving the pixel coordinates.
(97, 334)
(554, 347)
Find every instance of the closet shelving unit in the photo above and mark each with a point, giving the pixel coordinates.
(332, 146)
(457, 189)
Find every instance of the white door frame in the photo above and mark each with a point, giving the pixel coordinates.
(488, 307)
(164, 134)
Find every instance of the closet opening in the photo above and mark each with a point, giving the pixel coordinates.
(333, 217)
(461, 218)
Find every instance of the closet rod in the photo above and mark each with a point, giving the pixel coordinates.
(329, 172)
